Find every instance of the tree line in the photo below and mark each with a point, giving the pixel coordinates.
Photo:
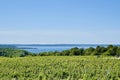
(110, 50)
(99, 50)
(12, 52)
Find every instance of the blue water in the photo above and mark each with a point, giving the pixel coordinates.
(37, 48)
(47, 48)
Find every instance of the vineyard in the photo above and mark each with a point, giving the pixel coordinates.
(59, 68)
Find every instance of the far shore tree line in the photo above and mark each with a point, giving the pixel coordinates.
(99, 50)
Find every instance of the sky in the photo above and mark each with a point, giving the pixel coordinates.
(59, 21)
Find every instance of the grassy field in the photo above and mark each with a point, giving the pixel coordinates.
(59, 68)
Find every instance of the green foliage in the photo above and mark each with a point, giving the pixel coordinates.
(118, 51)
(8, 52)
(66, 52)
(99, 50)
(74, 51)
(89, 51)
(111, 50)
(59, 68)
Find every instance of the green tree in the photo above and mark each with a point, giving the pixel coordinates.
(118, 52)
(99, 50)
(66, 53)
(74, 51)
(111, 50)
(89, 51)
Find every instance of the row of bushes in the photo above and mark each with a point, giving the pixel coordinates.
(99, 50)
(11, 52)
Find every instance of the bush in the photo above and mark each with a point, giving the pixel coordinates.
(8, 52)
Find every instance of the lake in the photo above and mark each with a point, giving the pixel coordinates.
(53, 47)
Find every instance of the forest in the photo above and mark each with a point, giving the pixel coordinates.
(110, 50)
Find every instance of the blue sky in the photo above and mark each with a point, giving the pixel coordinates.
(60, 21)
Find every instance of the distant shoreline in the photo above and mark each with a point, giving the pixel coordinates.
(58, 44)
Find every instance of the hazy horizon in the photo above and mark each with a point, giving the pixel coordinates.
(60, 22)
